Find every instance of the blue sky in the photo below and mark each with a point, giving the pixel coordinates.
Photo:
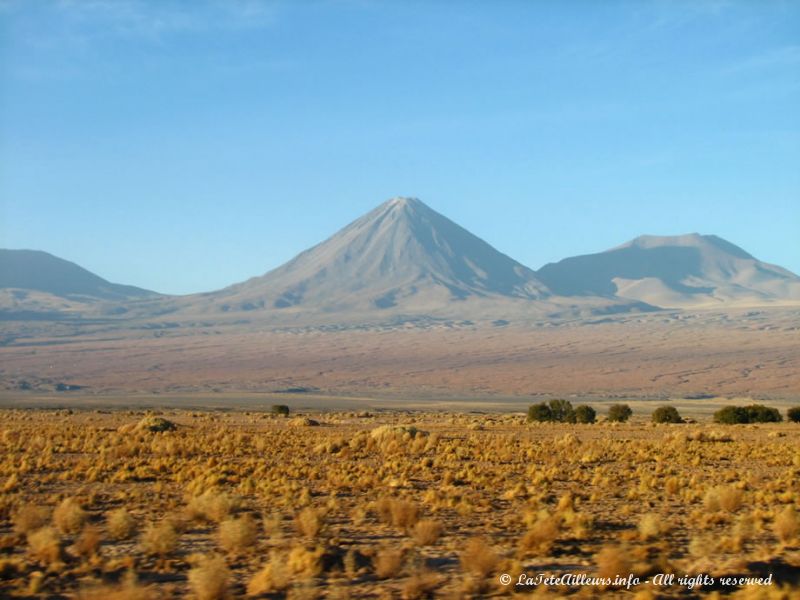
(184, 146)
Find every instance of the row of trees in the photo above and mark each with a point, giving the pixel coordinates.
(755, 413)
(562, 411)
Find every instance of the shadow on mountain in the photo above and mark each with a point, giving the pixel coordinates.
(593, 274)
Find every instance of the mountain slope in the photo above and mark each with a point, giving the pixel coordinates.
(37, 284)
(673, 272)
(400, 255)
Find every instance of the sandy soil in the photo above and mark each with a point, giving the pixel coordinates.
(747, 353)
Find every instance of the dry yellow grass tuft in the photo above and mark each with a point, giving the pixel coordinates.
(211, 506)
(787, 525)
(128, 589)
(30, 518)
(309, 522)
(388, 563)
(88, 542)
(649, 527)
(479, 558)
(121, 524)
(45, 545)
(69, 517)
(421, 586)
(427, 532)
(273, 577)
(541, 536)
(210, 578)
(160, 539)
(238, 536)
(612, 561)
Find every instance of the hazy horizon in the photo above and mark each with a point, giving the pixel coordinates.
(184, 150)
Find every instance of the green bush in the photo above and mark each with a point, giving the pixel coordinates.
(539, 412)
(557, 410)
(731, 415)
(759, 413)
(619, 413)
(279, 409)
(562, 411)
(666, 414)
(755, 413)
(793, 414)
(585, 414)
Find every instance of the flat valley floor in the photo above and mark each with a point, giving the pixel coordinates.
(738, 353)
(389, 504)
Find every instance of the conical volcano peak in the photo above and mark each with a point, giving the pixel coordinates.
(404, 205)
(404, 201)
(401, 255)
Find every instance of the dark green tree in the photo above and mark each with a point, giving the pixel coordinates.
(585, 414)
(731, 415)
(539, 412)
(279, 409)
(666, 414)
(619, 413)
(562, 411)
(793, 414)
(758, 413)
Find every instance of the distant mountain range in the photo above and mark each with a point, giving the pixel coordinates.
(674, 271)
(404, 259)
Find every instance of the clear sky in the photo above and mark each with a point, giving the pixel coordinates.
(183, 146)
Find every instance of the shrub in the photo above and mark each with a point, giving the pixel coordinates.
(649, 527)
(731, 415)
(478, 558)
(68, 516)
(279, 409)
(273, 577)
(121, 524)
(88, 542)
(755, 413)
(759, 413)
(612, 561)
(539, 412)
(727, 498)
(793, 414)
(404, 514)
(160, 539)
(619, 413)
(423, 584)
(427, 532)
(237, 536)
(562, 411)
(388, 562)
(30, 518)
(786, 525)
(211, 506)
(540, 537)
(308, 522)
(666, 414)
(585, 414)
(557, 410)
(156, 424)
(210, 579)
(45, 545)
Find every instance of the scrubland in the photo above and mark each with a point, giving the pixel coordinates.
(119, 505)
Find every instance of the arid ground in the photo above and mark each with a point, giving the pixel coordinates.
(659, 355)
(390, 504)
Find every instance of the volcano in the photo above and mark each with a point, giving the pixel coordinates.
(401, 255)
(682, 271)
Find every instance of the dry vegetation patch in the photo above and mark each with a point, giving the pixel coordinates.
(393, 504)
